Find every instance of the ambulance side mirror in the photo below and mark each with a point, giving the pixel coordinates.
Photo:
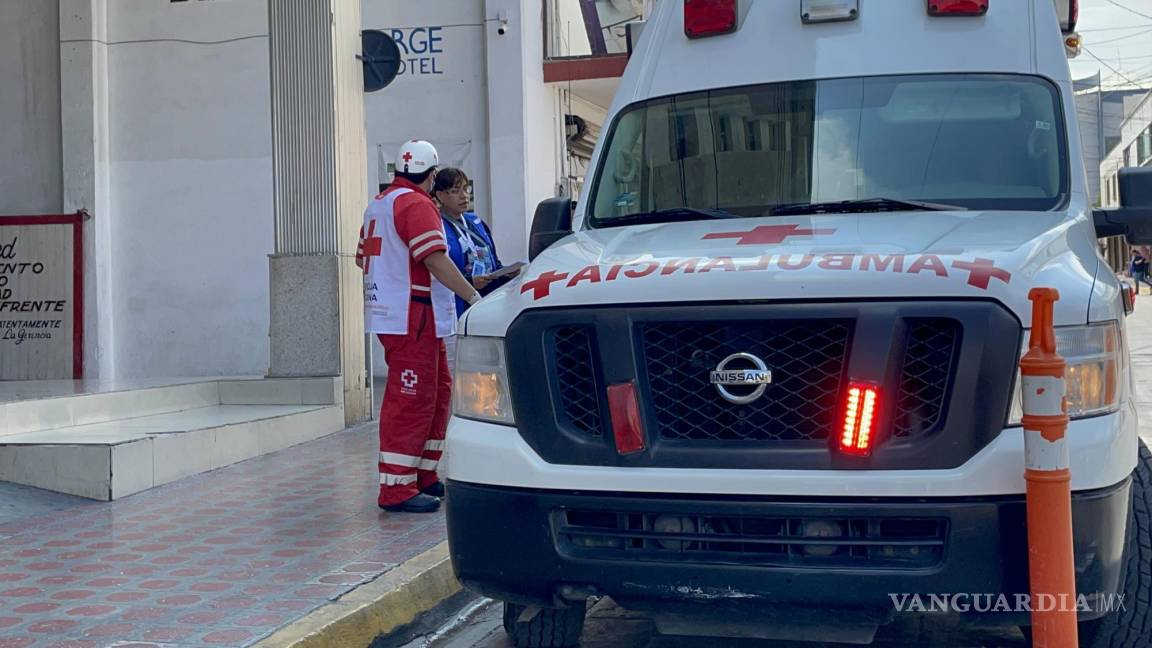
(552, 222)
(1133, 219)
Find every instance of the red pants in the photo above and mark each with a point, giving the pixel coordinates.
(417, 405)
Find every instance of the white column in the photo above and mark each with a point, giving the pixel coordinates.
(317, 321)
(524, 124)
(84, 128)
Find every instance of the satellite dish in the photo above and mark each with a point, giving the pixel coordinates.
(381, 58)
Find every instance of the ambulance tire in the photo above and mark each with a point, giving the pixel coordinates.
(544, 627)
(1131, 627)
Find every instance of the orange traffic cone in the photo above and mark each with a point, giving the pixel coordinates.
(1051, 565)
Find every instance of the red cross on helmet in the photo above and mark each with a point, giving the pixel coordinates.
(416, 157)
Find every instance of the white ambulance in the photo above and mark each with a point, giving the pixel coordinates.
(762, 379)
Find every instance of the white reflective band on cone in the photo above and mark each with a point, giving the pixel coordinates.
(1042, 454)
(1043, 395)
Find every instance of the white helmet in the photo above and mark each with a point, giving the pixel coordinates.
(416, 157)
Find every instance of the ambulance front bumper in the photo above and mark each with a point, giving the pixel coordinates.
(549, 547)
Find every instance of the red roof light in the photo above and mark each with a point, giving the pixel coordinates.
(1068, 23)
(709, 17)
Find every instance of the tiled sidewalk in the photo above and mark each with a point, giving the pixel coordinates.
(225, 558)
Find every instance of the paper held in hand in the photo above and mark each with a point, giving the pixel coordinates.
(507, 271)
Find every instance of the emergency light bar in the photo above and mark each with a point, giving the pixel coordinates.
(958, 7)
(856, 437)
(704, 18)
(820, 11)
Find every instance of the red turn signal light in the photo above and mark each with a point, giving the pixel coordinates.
(709, 17)
(627, 427)
(857, 435)
(958, 7)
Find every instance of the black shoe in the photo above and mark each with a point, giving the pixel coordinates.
(419, 504)
(435, 490)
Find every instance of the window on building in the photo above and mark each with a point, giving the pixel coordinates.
(685, 135)
(724, 133)
(1146, 146)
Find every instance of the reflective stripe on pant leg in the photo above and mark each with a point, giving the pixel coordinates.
(397, 480)
(409, 405)
(434, 443)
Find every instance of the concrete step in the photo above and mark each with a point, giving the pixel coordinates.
(103, 404)
(55, 412)
(121, 443)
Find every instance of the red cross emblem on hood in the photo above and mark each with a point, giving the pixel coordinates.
(768, 234)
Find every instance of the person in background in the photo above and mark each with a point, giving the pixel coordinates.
(470, 243)
(1138, 268)
(1146, 252)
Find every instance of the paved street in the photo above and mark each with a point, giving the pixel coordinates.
(611, 627)
(1140, 343)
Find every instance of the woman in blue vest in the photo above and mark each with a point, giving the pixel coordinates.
(470, 244)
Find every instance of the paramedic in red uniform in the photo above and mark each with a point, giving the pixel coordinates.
(409, 303)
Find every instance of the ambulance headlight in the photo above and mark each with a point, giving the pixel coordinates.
(480, 390)
(1096, 374)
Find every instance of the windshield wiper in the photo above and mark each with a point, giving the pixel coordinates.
(673, 215)
(861, 206)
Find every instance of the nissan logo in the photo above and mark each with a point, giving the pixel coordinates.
(731, 373)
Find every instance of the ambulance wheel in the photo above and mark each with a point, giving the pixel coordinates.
(1131, 626)
(544, 627)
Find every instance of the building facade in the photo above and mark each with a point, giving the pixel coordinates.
(155, 118)
(1132, 148)
(1101, 114)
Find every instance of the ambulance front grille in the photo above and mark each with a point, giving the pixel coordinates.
(932, 360)
(808, 365)
(929, 357)
(575, 360)
(808, 368)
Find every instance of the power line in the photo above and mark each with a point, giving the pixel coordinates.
(1138, 57)
(1116, 40)
(1104, 29)
(1109, 66)
(1118, 85)
(1128, 9)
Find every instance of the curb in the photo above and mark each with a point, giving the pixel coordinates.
(393, 600)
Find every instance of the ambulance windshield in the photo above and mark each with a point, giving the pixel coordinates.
(975, 141)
